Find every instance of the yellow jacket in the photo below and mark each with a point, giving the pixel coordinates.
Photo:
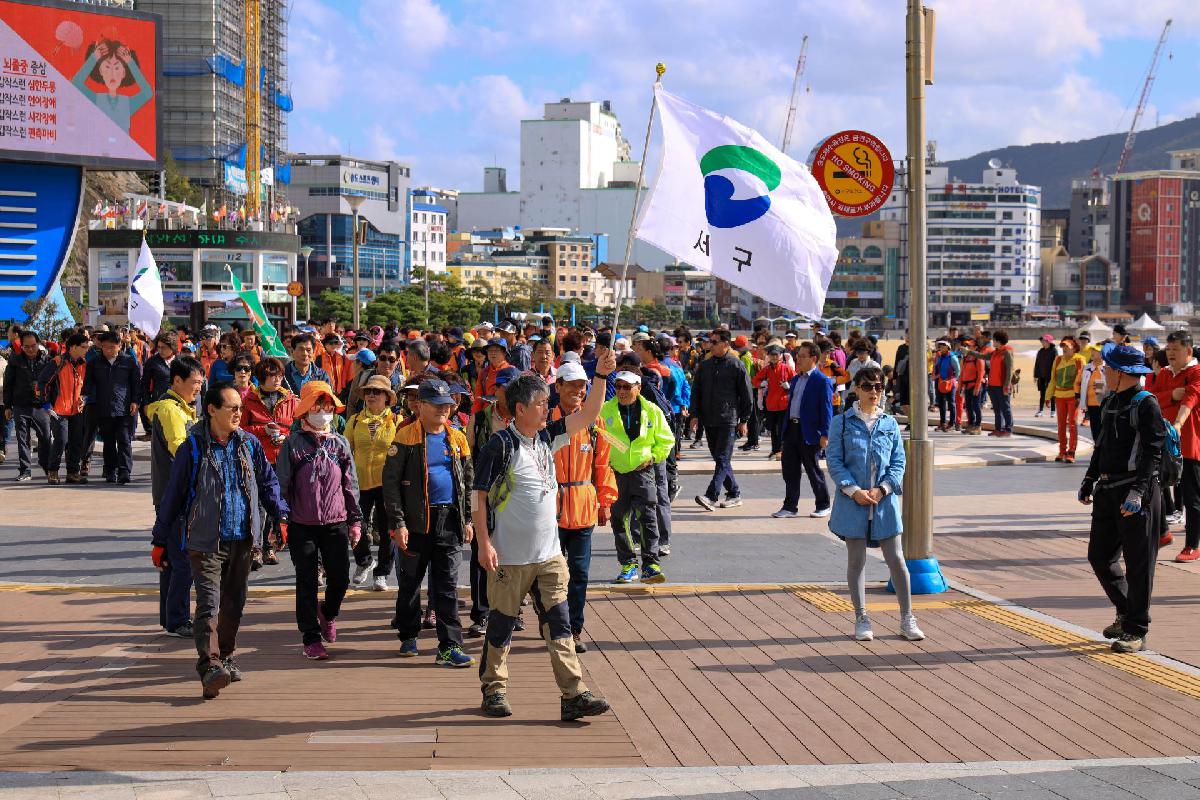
(370, 435)
(654, 442)
(1065, 377)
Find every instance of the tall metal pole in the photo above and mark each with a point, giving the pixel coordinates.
(355, 201)
(307, 251)
(918, 476)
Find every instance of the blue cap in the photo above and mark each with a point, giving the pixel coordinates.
(498, 342)
(1150, 340)
(507, 375)
(642, 329)
(365, 357)
(1125, 359)
(436, 392)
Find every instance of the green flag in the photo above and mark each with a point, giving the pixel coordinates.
(258, 317)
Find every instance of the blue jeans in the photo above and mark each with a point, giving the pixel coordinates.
(1002, 407)
(720, 446)
(973, 402)
(175, 584)
(6, 431)
(577, 549)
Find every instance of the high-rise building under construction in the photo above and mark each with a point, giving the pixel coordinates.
(222, 123)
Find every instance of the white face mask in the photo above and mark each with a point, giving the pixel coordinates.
(320, 419)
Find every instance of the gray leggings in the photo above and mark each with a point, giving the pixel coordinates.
(856, 572)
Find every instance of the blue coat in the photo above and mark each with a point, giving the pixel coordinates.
(866, 459)
(816, 407)
(111, 388)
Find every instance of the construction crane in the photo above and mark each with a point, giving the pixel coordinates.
(253, 106)
(1141, 106)
(790, 125)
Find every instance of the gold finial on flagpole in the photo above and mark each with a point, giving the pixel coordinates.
(660, 68)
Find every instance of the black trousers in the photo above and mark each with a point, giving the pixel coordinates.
(479, 596)
(27, 422)
(1093, 417)
(1042, 384)
(117, 433)
(67, 433)
(440, 553)
(222, 578)
(372, 500)
(775, 420)
(1189, 500)
(310, 545)
(636, 492)
(1137, 537)
(797, 456)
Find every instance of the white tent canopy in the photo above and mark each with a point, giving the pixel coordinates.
(1097, 329)
(1144, 324)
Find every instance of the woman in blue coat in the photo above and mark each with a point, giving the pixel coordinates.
(866, 460)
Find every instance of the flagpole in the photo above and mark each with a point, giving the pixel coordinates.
(659, 69)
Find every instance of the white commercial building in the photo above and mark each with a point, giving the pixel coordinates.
(427, 232)
(575, 174)
(983, 243)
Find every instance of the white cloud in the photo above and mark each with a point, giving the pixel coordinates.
(308, 136)
(407, 27)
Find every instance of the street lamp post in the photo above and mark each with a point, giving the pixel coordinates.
(307, 251)
(926, 575)
(355, 201)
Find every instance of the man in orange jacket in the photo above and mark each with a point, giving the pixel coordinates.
(586, 490)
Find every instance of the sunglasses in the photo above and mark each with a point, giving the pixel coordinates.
(387, 360)
(232, 409)
(242, 369)
(623, 386)
(871, 387)
(373, 391)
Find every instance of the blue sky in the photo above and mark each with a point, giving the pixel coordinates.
(443, 85)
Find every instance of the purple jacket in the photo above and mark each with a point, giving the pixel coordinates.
(317, 478)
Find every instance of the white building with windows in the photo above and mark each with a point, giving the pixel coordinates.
(427, 226)
(983, 242)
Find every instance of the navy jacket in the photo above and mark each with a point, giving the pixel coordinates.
(111, 388)
(816, 406)
(156, 380)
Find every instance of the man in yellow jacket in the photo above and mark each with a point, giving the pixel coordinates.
(170, 420)
(639, 437)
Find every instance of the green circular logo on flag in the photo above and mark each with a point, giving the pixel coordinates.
(720, 208)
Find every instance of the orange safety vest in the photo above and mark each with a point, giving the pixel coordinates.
(585, 479)
(996, 365)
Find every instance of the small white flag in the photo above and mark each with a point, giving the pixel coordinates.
(145, 294)
(728, 202)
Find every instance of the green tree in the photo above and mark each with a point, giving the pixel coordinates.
(45, 318)
(179, 189)
(335, 304)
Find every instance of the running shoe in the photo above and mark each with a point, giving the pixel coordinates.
(652, 573)
(453, 657)
(909, 629)
(430, 620)
(702, 501)
(1187, 554)
(1175, 518)
(380, 584)
(408, 648)
(328, 626)
(629, 574)
(1165, 539)
(784, 513)
(477, 629)
(24, 477)
(862, 628)
(183, 631)
(363, 571)
(1129, 643)
(821, 512)
(664, 550)
(316, 652)
(235, 672)
(731, 502)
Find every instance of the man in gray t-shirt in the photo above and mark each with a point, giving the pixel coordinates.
(516, 524)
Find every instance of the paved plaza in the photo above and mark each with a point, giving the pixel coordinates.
(737, 678)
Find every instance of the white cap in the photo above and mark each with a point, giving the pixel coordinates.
(571, 371)
(628, 377)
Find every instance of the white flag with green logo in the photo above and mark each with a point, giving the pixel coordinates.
(728, 202)
(145, 294)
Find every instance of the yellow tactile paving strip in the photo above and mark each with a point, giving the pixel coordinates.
(824, 600)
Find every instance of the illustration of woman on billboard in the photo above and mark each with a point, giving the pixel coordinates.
(114, 65)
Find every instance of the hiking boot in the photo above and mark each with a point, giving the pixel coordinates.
(269, 558)
(584, 704)
(328, 626)
(123, 479)
(496, 705)
(454, 657)
(580, 647)
(430, 620)
(519, 625)
(73, 477)
(731, 502)
(52, 478)
(363, 571)
(862, 628)
(235, 672)
(909, 629)
(652, 573)
(1129, 643)
(477, 629)
(408, 648)
(705, 503)
(1115, 630)
(629, 574)
(256, 560)
(214, 680)
(316, 652)
(183, 631)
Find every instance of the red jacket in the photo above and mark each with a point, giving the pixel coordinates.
(1164, 386)
(777, 377)
(255, 417)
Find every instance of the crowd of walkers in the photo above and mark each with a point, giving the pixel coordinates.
(398, 448)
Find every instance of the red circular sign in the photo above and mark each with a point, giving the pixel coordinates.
(296, 289)
(855, 171)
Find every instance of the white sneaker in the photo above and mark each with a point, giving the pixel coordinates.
(822, 512)
(783, 513)
(1175, 519)
(909, 629)
(732, 502)
(1038, 414)
(380, 584)
(361, 573)
(862, 628)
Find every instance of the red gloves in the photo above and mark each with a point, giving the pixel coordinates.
(157, 555)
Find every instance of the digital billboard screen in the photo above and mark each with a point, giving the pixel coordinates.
(79, 84)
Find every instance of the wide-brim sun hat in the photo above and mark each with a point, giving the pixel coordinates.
(383, 383)
(1124, 358)
(313, 391)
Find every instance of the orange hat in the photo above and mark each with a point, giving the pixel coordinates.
(741, 342)
(414, 334)
(313, 391)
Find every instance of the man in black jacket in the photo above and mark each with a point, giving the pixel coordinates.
(112, 386)
(721, 402)
(22, 405)
(156, 374)
(1122, 486)
(1043, 369)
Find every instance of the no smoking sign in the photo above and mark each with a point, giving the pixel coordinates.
(855, 171)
